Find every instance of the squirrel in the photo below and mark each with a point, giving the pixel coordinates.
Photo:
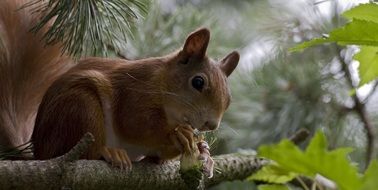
(134, 108)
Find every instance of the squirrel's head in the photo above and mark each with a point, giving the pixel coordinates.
(197, 88)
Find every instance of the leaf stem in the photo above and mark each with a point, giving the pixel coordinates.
(302, 183)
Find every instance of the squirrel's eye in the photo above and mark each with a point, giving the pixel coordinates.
(198, 82)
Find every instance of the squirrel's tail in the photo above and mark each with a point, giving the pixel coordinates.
(27, 68)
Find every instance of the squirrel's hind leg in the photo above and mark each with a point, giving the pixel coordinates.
(63, 118)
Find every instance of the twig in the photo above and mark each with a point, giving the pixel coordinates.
(360, 109)
(79, 149)
(300, 136)
(304, 185)
(372, 91)
(370, 131)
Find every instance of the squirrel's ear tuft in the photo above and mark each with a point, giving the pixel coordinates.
(229, 63)
(196, 43)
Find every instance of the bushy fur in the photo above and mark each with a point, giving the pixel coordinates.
(27, 69)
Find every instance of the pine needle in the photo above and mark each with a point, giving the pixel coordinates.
(16, 152)
(87, 27)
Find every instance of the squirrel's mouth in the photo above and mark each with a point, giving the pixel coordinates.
(196, 131)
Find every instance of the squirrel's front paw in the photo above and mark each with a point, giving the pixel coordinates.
(208, 162)
(183, 138)
(117, 157)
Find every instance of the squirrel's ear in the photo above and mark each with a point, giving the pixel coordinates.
(229, 63)
(196, 43)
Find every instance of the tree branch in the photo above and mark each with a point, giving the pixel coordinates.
(65, 173)
(300, 136)
(78, 150)
(359, 108)
(372, 91)
(96, 174)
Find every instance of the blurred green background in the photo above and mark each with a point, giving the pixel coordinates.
(275, 92)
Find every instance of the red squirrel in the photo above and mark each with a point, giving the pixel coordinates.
(148, 107)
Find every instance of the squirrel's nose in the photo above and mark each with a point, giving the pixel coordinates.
(210, 125)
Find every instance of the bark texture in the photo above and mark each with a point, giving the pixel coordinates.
(66, 172)
(96, 174)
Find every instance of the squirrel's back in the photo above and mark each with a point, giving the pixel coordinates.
(27, 68)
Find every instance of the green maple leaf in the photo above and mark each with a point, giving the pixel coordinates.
(368, 12)
(369, 181)
(273, 187)
(368, 58)
(363, 31)
(357, 32)
(273, 173)
(316, 159)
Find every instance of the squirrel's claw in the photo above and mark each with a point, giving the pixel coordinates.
(184, 141)
(183, 138)
(117, 157)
